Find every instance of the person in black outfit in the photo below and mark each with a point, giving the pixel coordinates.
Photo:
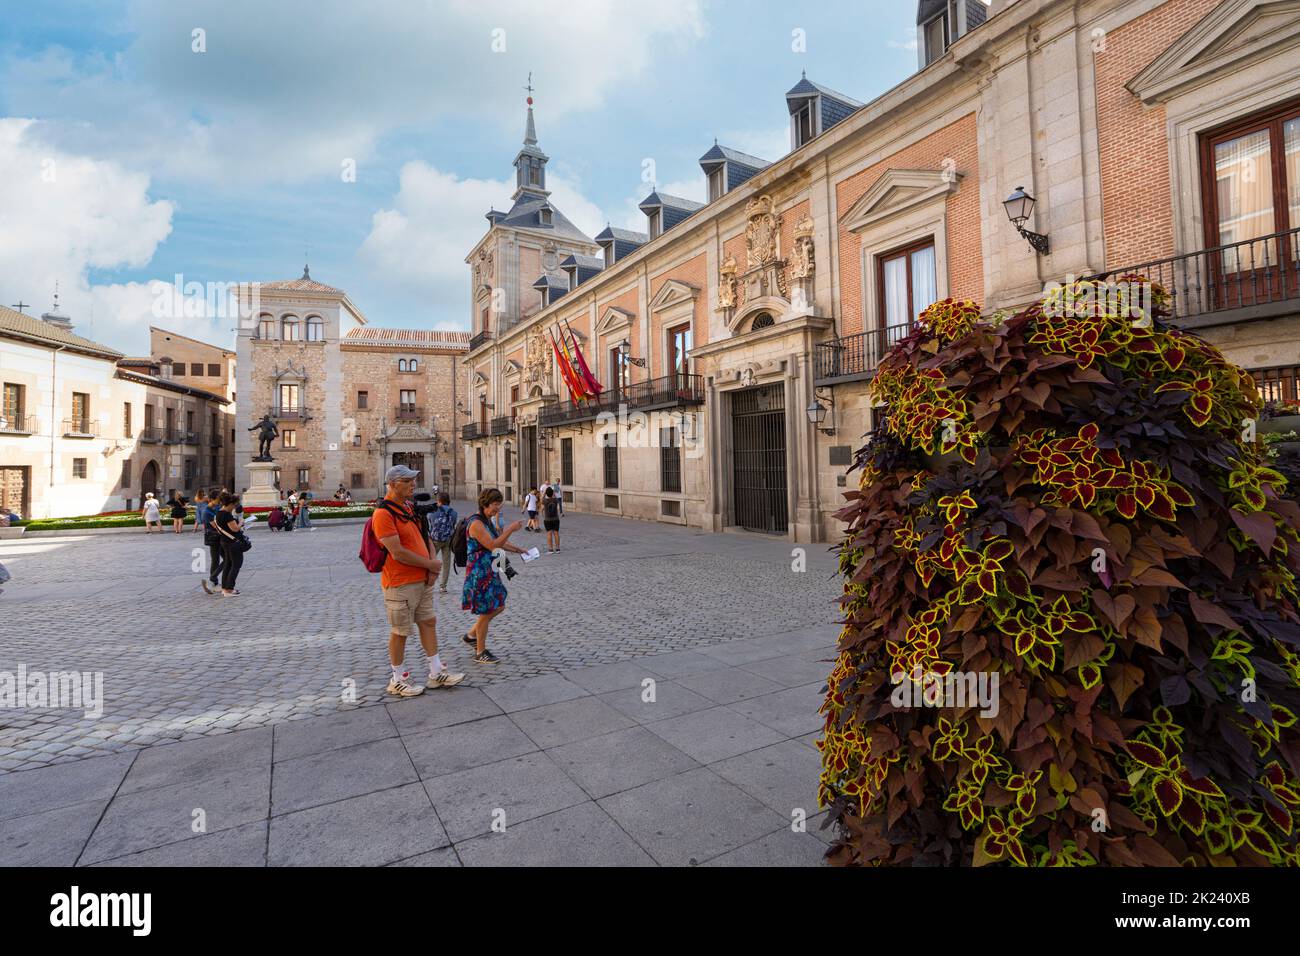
(211, 537)
(231, 529)
(551, 521)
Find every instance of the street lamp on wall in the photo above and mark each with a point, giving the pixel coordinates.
(625, 350)
(817, 413)
(1018, 206)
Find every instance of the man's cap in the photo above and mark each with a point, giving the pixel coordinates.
(398, 472)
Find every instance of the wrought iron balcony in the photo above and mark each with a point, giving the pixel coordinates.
(298, 414)
(18, 424)
(408, 413)
(216, 440)
(1280, 384)
(503, 425)
(480, 338)
(667, 392)
(853, 357)
(80, 428)
(1252, 279)
(151, 436)
(472, 431)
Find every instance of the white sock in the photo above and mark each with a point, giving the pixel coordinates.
(435, 665)
(399, 672)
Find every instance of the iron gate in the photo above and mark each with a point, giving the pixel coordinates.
(758, 455)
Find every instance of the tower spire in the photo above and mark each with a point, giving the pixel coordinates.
(530, 130)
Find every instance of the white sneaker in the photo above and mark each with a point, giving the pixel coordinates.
(401, 688)
(445, 678)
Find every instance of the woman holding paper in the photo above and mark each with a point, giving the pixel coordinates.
(484, 594)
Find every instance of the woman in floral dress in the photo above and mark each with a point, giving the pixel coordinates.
(484, 593)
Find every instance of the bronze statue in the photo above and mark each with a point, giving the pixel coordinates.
(267, 434)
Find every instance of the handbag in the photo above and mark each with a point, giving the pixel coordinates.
(243, 543)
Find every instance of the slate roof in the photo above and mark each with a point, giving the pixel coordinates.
(720, 154)
(525, 214)
(582, 267)
(623, 235)
(18, 325)
(406, 338)
(675, 208)
(554, 283)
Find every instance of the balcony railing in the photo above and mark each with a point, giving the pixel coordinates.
(151, 435)
(80, 428)
(472, 430)
(290, 414)
(18, 424)
(479, 339)
(666, 392)
(186, 437)
(1255, 278)
(1280, 384)
(215, 440)
(408, 413)
(855, 356)
(503, 425)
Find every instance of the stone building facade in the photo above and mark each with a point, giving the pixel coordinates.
(349, 400)
(1155, 133)
(84, 429)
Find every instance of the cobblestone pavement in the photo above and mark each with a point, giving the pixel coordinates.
(309, 623)
(657, 705)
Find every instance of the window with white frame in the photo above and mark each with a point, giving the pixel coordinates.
(315, 329)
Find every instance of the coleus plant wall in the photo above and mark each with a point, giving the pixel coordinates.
(1072, 502)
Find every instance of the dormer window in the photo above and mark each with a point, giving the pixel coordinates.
(935, 37)
(718, 182)
(804, 123)
(656, 222)
(544, 214)
(609, 254)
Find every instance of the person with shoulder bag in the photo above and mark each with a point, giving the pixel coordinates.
(211, 538)
(483, 594)
(233, 543)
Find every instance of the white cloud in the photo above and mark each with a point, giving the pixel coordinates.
(287, 91)
(64, 214)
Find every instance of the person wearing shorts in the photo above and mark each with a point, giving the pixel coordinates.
(407, 583)
(551, 520)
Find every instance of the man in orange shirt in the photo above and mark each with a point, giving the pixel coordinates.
(407, 580)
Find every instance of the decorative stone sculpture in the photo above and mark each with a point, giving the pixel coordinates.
(764, 270)
(727, 285)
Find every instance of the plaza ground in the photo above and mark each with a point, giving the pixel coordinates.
(255, 730)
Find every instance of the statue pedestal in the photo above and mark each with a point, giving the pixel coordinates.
(261, 491)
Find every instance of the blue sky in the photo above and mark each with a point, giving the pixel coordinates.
(126, 156)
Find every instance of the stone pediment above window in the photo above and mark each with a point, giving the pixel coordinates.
(1228, 39)
(289, 374)
(480, 379)
(613, 319)
(674, 292)
(899, 191)
(511, 367)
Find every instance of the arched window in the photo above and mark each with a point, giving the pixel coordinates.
(289, 328)
(401, 365)
(315, 328)
(762, 321)
(265, 327)
(415, 365)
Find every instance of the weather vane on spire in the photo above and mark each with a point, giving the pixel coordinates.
(529, 87)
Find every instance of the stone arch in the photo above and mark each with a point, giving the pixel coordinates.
(774, 307)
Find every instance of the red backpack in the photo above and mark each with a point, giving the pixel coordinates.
(372, 553)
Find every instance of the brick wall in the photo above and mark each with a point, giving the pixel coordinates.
(965, 260)
(694, 272)
(1134, 148)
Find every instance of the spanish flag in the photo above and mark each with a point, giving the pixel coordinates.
(577, 391)
(589, 380)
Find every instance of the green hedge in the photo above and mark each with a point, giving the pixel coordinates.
(135, 521)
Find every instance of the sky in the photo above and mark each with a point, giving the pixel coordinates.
(232, 140)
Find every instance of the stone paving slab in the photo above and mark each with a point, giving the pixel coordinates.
(616, 732)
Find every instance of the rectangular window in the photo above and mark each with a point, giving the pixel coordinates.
(290, 438)
(78, 468)
(508, 454)
(289, 397)
(149, 418)
(907, 283)
(304, 477)
(514, 398)
(189, 422)
(189, 470)
(566, 462)
(656, 220)
(408, 398)
(363, 400)
(126, 473)
(214, 370)
(315, 330)
(126, 420)
(679, 349)
(196, 368)
(81, 411)
(289, 330)
(266, 329)
(805, 126)
(670, 461)
(935, 38)
(717, 182)
(15, 404)
(619, 370)
(357, 479)
(611, 460)
(483, 321)
(1253, 190)
(478, 464)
